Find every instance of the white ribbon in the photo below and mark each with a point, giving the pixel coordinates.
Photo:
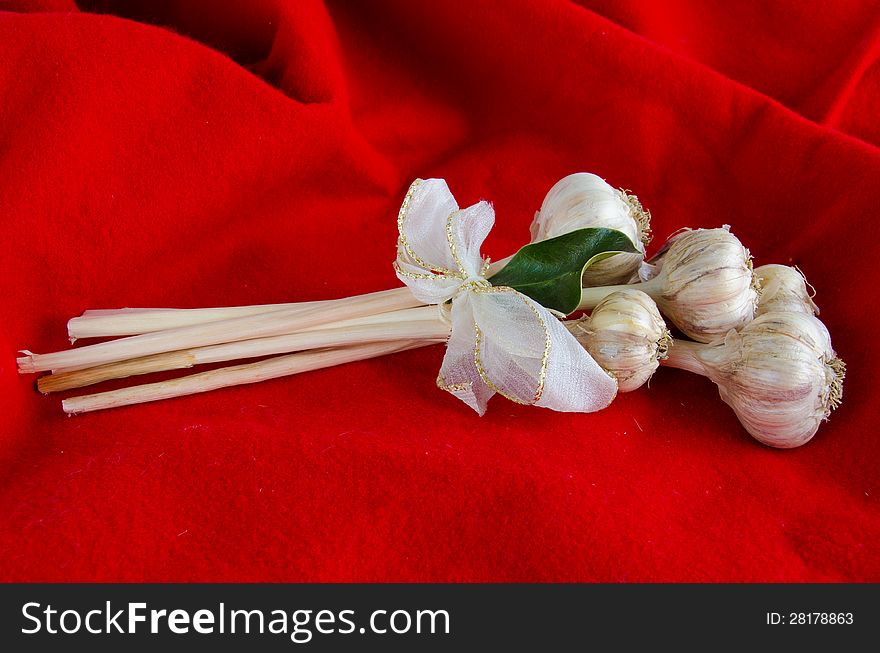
(501, 340)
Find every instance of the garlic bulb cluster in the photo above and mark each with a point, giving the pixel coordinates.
(704, 284)
(756, 333)
(626, 335)
(779, 374)
(783, 289)
(583, 200)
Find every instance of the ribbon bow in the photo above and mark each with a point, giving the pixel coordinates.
(501, 341)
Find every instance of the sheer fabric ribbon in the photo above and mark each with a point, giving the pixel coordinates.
(501, 341)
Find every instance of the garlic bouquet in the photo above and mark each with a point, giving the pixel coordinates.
(705, 284)
(500, 321)
(779, 373)
(585, 200)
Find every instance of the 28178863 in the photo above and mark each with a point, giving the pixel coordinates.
(809, 618)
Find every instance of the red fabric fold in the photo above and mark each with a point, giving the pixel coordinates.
(820, 59)
(199, 154)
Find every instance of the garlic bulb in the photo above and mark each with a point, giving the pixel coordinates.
(705, 284)
(626, 335)
(779, 374)
(783, 289)
(583, 200)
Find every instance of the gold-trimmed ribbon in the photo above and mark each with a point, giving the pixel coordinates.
(501, 341)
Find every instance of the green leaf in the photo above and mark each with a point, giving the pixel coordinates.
(550, 271)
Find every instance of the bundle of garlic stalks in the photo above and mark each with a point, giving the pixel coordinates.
(753, 332)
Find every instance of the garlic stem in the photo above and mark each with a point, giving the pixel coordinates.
(235, 375)
(411, 324)
(683, 354)
(242, 328)
(590, 297)
(95, 323)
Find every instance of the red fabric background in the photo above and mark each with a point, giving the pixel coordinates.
(205, 153)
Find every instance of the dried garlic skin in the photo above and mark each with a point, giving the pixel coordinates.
(707, 286)
(780, 375)
(783, 290)
(626, 335)
(583, 200)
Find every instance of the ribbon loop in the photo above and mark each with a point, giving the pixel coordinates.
(501, 341)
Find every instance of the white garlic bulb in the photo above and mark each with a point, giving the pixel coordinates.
(626, 335)
(783, 289)
(705, 284)
(583, 200)
(708, 283)
(779, 374)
